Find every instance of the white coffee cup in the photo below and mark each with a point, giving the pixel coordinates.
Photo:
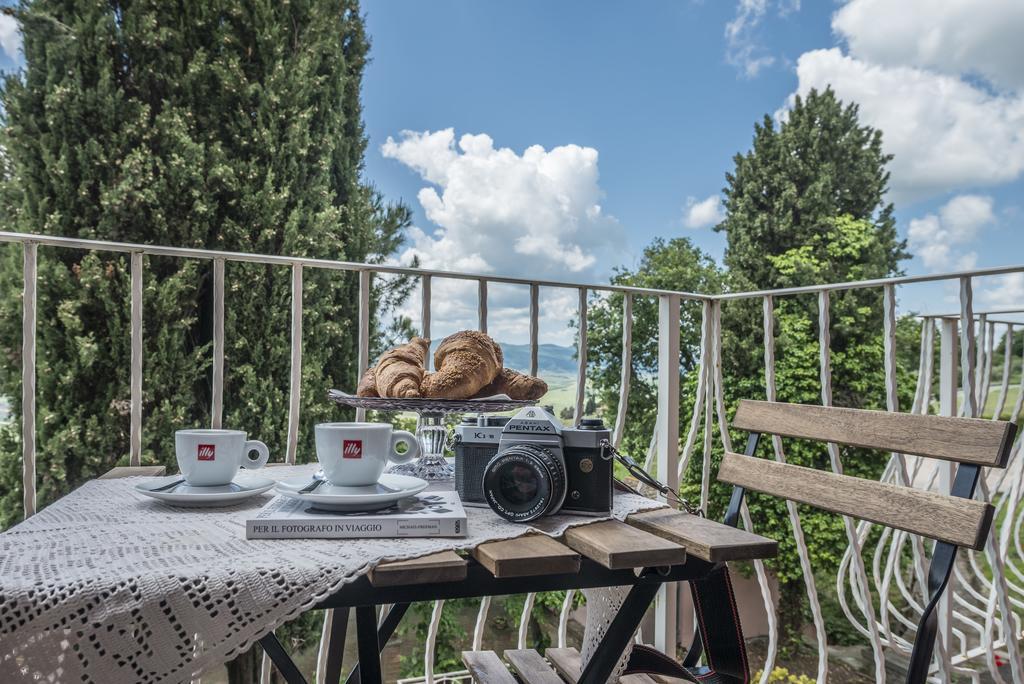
(354, 454)
(212, 457)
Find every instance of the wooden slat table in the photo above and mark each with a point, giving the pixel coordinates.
(644, 552)
(599, 554)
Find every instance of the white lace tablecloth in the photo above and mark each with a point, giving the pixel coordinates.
(107, 585)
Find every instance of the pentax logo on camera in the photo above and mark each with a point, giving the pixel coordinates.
(352, 448)
(530, 427)
(206, 452)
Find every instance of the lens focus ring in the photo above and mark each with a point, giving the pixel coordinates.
(525, 482)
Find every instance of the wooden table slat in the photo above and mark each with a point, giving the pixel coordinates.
(445, 566)
(526, 556)
(706, 539)
(616, 545)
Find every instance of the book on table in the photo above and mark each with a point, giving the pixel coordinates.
(428, 514)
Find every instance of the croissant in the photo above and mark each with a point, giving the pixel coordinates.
(399, 372)
(368, 384)
(516, 385)
(465, 363)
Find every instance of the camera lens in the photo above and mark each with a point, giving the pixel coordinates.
(524, 482)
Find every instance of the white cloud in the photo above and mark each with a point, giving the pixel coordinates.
(704, 213)
(536, 214)
(944, 132)
(952, 37)
(743, 51)
(940, 240)
(1005, 291)
(10, 37)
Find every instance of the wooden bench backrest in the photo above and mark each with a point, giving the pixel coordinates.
(966, 440)
(960, 521)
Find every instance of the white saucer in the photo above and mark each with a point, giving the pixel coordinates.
(241, 488)
(389, 489)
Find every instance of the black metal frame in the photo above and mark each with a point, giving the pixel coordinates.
(944, 556)
(363, 596)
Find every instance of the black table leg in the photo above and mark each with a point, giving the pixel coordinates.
(285, 665)
(384, 632)
(619, 634)
(369, 646)
(336, 654)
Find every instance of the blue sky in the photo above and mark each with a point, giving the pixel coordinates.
(667, 92)
(557, 139)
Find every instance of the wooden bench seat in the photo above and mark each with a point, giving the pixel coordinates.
(486, 667)
(560, 666)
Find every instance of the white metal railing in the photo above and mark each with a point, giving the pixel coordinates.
(977, 616)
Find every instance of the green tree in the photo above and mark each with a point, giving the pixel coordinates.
(203, 123)
(819, 163)
(673, 265)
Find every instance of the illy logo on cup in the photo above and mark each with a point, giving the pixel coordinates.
(352, 448)
(206, 452)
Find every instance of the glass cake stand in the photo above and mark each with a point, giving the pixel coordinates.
(431, 431)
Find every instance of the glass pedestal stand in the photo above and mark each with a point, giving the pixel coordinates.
(430, 428)
(431, 466)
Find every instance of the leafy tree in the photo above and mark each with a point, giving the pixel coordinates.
(203, 123)
(676, 264)
(806, 205)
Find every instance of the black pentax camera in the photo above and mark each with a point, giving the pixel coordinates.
(531, 466)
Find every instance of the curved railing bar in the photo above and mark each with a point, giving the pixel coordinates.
(768, 320)
(431, 650)
(701, 392)
(481, 622)
(627, 367)
(563, 617)
(524, 620)
(825, 369)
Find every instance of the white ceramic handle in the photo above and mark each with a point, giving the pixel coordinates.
(412, 446)
(260, 448)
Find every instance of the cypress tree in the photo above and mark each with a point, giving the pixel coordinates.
(201, 123)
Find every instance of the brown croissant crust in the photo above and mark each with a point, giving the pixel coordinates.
(465, 363)
(399, 372)
(368, 384)
(516, 385)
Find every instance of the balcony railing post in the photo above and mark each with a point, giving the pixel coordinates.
(425, 294)
(627, 367)
(534, 329)
(217, 402)
(295, 375)
(365, 285)
(481, 307)
(30, 254)
(666, 604)
(135, 458)
(581, 374)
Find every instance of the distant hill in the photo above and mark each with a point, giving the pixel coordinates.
(551, 358)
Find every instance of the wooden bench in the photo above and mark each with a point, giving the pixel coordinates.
(953, 520)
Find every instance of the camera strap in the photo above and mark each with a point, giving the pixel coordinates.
(637, 471)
